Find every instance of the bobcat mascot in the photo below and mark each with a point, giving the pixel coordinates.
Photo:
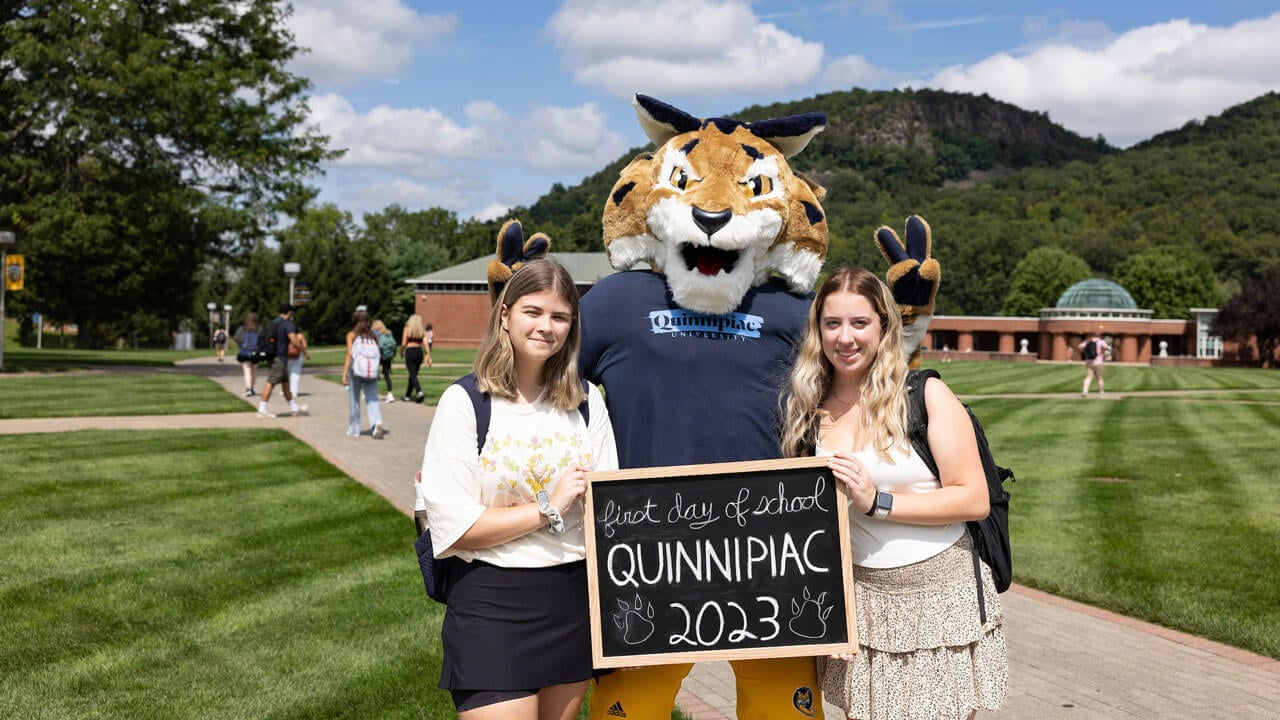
(692, 351)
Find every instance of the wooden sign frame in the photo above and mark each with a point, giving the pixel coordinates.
(665, 517)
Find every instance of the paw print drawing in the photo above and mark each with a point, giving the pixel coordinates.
(809, 617)
(635, 621)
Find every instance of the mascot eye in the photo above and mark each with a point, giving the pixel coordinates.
(759, 185)
(679, 178)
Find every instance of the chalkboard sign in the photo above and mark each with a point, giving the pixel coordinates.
(718, 562)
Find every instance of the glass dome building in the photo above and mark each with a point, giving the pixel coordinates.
(1096, 293)
(1095, 298)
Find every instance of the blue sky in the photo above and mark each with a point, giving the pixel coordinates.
(480, 106)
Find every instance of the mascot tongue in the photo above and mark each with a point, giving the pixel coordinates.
(709, 265)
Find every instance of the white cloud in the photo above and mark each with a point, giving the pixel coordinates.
(412, 140)
(491, 211)
(850, 71)
(1145, 81)
(354, 40)
(679, 47)
(561, 139)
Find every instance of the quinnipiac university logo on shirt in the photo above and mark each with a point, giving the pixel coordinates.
(688, 323)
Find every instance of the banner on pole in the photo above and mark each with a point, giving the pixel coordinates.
(14, 270)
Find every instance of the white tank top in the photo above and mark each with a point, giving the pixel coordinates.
(885, 543)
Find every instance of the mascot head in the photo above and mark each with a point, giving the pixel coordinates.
(716, 208)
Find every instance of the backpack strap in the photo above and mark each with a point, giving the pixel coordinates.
(918, 431)
(483, 406)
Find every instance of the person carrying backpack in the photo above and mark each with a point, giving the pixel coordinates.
(360, 376)
(1092, 351)
(505, 500)
(929, 635)
(387, 347)
(272, 348)
(246, 338)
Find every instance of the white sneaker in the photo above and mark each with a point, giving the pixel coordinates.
(377, 432)
(391, 397)
(302, 410)
(264, 414)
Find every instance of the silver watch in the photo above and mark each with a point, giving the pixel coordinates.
(555, 523)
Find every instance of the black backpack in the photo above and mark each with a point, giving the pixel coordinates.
(436, 573)
(991, 534)
(265, 351)
(1090, 350)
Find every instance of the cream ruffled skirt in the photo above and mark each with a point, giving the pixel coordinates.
(922, 652)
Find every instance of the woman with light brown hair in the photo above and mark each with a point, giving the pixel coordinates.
(507, 502)
(923, 650)
(413, 346)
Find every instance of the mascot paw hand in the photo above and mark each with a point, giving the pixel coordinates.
(513, 251)
(913, 275)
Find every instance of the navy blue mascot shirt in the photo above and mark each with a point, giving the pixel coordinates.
(685, 387)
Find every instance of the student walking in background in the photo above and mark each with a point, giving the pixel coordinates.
(1092, 351)
(284, 332)
(360, 375)
(923, 651)
(298, 353)
(515, 636)
(431, 340)
(220, 342)
(387, 354)
(412, 342)
(246, 338)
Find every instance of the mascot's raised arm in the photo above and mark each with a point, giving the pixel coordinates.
(693, 349)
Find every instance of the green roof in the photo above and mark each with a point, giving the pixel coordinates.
(586, 268)
(1097, 293)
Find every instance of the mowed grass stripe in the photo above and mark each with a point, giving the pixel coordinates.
(151, 576)
(990, 378)
(92, 395)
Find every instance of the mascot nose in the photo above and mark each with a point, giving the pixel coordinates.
(710, 222)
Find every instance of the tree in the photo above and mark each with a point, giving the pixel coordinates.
(412, 244)
(1170, 281)
(139, 138)
(1040, 278)
(1253, 313)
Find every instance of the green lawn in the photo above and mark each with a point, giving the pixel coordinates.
(1153, 508)
(970, 378)
(158, 575)
(128, 393)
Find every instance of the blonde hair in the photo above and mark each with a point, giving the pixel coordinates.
(495, 361)
(884, 394)
(379, 327)
(413, 328)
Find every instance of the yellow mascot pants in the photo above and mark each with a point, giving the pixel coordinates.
(768, 689)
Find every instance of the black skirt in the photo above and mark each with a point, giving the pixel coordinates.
(516, 628)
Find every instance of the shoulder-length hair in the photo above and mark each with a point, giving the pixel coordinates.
(495, 361)
(884, 395)
(413, 328)
(360, 324)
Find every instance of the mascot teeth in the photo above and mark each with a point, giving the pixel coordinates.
(708, 260)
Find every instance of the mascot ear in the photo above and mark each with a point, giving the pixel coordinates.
(913, 277)
(513, 251)
(660, 121)
(789, 134)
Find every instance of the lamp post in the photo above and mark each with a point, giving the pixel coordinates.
(292, 269)
(213, 315)
(7, 238)
(226, 316)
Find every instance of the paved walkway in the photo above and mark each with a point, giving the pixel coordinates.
(1067, 660)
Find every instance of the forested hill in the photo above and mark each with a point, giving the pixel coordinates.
(995, 182)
